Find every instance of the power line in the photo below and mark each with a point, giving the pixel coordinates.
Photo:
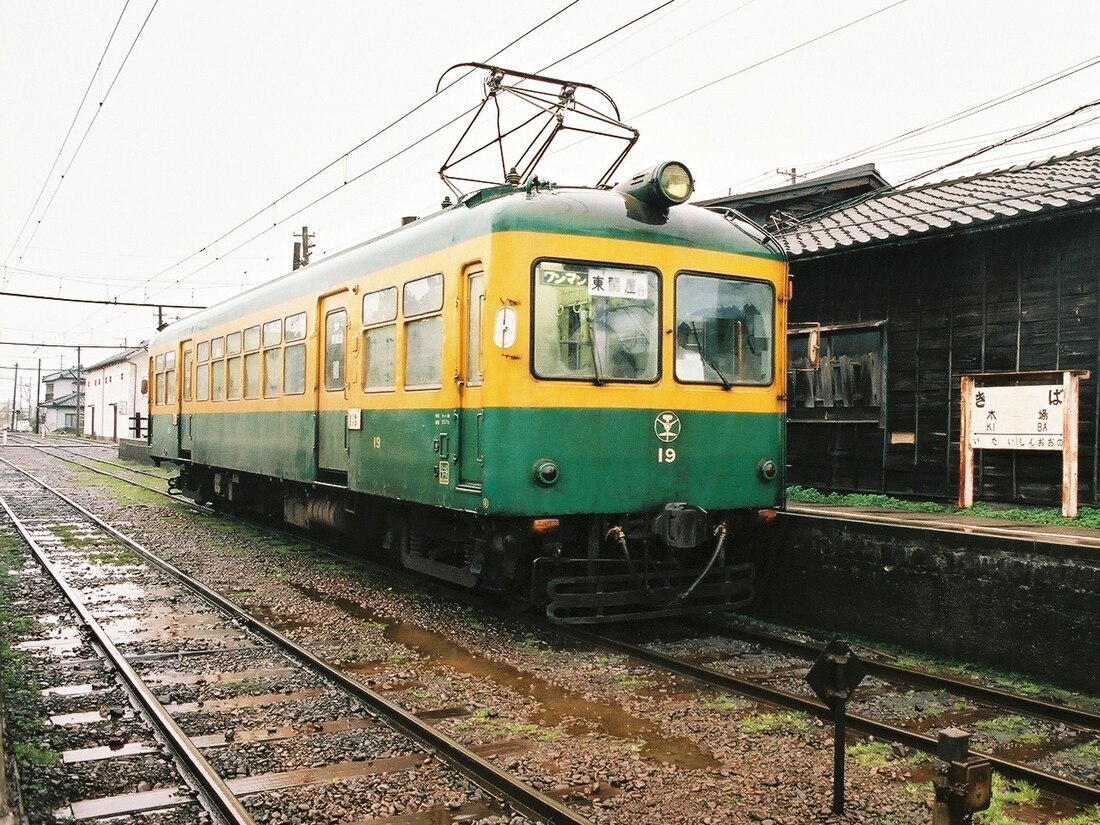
(93, 301)
(776, 56)
(60, 346)
(87, 131)
(965, 113)
(992, 146)
(858, 199)
(392, 157)
(65, 140)
(343, 157)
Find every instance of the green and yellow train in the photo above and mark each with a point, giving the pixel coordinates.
(571, 396)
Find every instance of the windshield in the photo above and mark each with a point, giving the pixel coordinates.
(724, 330)
(595, 322)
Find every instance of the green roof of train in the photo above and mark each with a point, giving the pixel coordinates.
(587, 212)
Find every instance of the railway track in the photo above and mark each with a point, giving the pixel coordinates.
(809, 651)
(68, 540)
(1052, 783)
(1078, 792)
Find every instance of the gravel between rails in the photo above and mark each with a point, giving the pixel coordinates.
(628, 744)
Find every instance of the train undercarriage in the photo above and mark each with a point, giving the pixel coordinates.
(580, 569)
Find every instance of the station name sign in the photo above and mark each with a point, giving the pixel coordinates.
(1017, 418)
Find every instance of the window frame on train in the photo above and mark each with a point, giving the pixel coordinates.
(610, 369)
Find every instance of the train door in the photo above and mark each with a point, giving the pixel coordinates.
(186, 402)
(332, 389)
(471, 375)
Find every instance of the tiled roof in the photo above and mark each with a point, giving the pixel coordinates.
(61, 401)
(1066, 182)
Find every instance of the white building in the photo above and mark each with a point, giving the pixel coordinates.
(58, 408)
(114, 391)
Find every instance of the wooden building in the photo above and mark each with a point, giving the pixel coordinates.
(913, 288)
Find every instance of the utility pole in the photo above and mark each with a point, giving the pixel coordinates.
(38, 399)
(791, 173)
(79, 404)
(302, 247)
(14, 395)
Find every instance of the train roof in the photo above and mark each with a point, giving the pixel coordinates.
(566, 211)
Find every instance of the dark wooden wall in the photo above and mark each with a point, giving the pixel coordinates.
(1020, 297)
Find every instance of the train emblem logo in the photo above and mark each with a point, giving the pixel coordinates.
(667, 426)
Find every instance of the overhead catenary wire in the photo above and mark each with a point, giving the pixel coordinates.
(94, 301)
(768, 59)
(395, 155)
(65, 140)
(344, 156)
(977, 108)
(87, 131)
(878, 193)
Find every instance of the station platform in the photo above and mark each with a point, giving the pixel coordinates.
(965, 523)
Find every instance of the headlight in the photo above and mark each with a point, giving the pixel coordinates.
(675, 181)
(663, 186)
(767, 469)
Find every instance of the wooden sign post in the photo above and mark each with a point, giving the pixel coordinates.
(1012, 411)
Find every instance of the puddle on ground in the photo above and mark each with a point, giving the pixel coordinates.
(268, 616)
(580, 715)
(174, 677)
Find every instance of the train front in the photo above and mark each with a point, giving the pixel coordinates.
(634, 422)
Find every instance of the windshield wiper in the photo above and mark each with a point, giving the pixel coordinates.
(707, 359)
(598, 380)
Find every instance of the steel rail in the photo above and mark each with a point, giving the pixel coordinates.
(1049, 711)
(44, 448)
(215, 793)
(1068, 788)
(528, 801)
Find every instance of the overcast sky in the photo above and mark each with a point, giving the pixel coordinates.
(222, 107)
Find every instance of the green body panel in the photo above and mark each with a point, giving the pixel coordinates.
(608, 459)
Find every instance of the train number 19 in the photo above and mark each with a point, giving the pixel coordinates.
(665, 455)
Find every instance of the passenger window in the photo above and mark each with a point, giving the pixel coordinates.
(379, 349)
(217, 381)
(272, 376)
(202, 351)
(424, 353)
(380, 306)
(294, 369)
(273, 333)
(202, 382)
(170, 378)
(335, 324)
(233, 343)
(233, 378)
(423, 295)
(295, 327)
(252, 338)
(160, 388)
(379, 358)
(217, 348)
(252, 373)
